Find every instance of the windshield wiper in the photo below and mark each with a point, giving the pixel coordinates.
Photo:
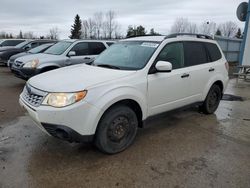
(108, 66)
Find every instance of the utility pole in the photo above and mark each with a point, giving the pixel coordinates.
(245, 47)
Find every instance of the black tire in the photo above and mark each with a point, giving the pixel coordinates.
(212, 100)
(116, 130)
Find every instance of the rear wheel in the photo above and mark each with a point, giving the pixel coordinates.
(212, 100)
(116, 130)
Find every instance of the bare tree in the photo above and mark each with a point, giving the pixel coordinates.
(98, 18)
(228, 29)
(85, 29)
(111, 23)
(192, 28)
(182, 25)
(105, 30)
(54, 33)
(28, 35)
(118, 32)
(92, 28)
(208, 28)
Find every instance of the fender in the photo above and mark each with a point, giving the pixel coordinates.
(116, 94)
(50, 64)
(217, 77)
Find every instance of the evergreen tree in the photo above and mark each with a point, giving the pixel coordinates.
(20, 34)
(136, 31)
(238, 34)
(218, 32)
(130, 32)
(153, 33)
(76, 28)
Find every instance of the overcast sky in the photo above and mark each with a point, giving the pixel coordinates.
(40, 16)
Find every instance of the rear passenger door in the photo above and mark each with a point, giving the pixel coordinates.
(197, 62)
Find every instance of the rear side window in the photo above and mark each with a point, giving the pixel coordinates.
(214, 52)
(195, 53)
(81, 49)
(174, 54)
(96, 48)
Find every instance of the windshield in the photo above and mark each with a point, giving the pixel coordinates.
(59, 48)
(130, 55)
(22, 44)
(39, 49)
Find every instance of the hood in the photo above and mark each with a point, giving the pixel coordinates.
(75, 78)
(12, 58)
(42, 57)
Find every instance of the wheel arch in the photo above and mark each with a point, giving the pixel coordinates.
(218, 81)
(126, 96)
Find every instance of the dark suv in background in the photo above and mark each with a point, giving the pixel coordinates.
(36, 50)
(10, 42)
(7, 52)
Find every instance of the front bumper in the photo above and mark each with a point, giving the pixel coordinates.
(75, 123)
(24, 73)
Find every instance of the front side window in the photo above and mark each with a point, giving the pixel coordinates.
(127, 55)
(59, 48)
(96, 48)
(81, 49)
(195, 53)
(174, 54)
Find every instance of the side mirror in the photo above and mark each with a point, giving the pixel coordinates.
(26, 48)
(163, 66)
(72, 53)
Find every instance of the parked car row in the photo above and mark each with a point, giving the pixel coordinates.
(106, 98)
(33, 57)
(8, 51)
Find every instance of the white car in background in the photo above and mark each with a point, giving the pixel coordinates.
(107, 100)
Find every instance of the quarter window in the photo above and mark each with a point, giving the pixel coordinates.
(81, 49)
(213, 51)
(195, 54)
(174, 54)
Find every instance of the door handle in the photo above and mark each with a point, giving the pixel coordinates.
(185, 75)
(211, 69)
(87, 58)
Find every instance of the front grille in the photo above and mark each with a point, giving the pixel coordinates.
(18, 63)
(33, 96)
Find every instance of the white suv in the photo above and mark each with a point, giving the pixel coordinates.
(107, 100)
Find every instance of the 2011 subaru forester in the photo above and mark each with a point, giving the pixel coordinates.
(107, 100)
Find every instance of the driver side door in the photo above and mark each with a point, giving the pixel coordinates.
(81, 50)
(169, 90)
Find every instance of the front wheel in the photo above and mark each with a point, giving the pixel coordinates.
(116, 130)
(212, 100)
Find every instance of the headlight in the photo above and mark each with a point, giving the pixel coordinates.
(31, 64)
(63, 99)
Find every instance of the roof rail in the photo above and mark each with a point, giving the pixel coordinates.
(201, 36)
